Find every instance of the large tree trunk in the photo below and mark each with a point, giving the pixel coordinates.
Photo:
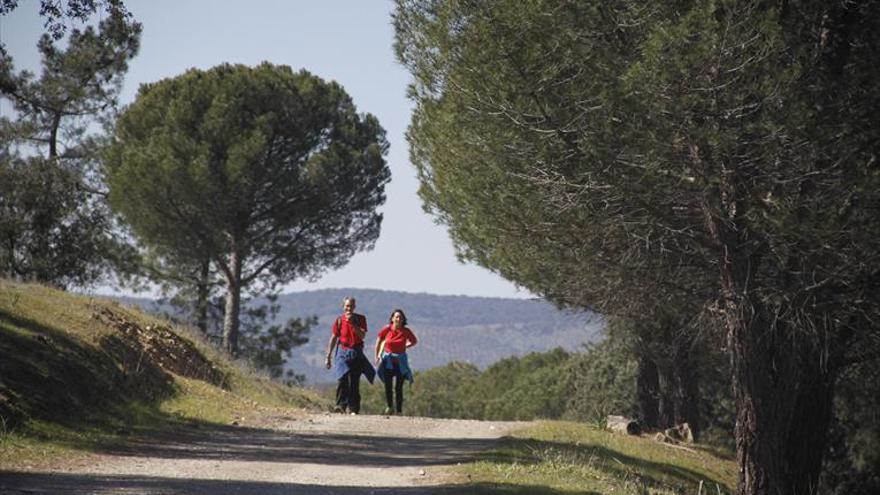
(233, 305)
(784, 394)
(808, 434)
(764, 388)
(762, 354)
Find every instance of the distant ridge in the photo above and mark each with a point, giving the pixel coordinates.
(479, 330)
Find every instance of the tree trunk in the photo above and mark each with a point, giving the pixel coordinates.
(647, 392)
(687, 394)
(808, 434)
(765, 382)
(53, 135)
(763, 353)
(666, 402)
(233, 305)
(202, 295)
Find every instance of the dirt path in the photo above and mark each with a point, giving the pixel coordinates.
(311, 454)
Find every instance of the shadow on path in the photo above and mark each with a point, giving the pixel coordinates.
(226, 443)
(44, 484)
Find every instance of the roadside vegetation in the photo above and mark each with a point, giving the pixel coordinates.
(80, 373)
(567, 457)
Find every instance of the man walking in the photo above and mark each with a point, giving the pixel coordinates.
(347, 342)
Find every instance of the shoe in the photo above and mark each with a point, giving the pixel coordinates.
(354, 413)
(339, 410)
(389, 411)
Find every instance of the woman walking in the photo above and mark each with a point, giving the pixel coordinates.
(391, 345)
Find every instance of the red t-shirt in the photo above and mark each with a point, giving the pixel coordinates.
(395, 340)
(347, 336)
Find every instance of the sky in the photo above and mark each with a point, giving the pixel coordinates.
(349, 41)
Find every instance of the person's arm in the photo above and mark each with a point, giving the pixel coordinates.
(411, 339)
(379, 344)
(334, 339)
(330, 345)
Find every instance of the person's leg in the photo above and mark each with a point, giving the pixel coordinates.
(398, 385)
(388, 398)
(342, 392)
(354, 392)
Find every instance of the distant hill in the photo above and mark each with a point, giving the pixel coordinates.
(478, 330)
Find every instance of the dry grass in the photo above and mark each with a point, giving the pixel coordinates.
(78, 373)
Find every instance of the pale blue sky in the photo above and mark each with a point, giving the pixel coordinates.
(348, 41)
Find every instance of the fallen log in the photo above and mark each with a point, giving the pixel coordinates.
(621, 424)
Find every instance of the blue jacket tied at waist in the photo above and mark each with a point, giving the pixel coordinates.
(387, 366)
(353, 359)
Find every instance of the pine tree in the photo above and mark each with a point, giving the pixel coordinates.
(54, 226)
(595, 151)
(270, 174)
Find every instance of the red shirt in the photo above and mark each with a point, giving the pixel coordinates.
(395, 339)
(343, 330)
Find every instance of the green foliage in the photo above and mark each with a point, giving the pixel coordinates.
(583, 386)
(443, 392)
(604, 383)
(56, 14)
(270, 174)
(535, 386)
(853, 464)
(621, 155)
(54, 226)
(49, 230)
(269, 347)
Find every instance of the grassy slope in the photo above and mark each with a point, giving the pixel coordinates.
(557, 457)
(77, 373)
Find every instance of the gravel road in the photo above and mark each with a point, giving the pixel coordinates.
(303, 455)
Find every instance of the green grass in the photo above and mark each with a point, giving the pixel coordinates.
(561, 457)
(79, 373)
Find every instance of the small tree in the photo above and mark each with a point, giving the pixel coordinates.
(268, 347)
(54, 226)
(272, 173)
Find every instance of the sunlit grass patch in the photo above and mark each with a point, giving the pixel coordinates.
(578, 458)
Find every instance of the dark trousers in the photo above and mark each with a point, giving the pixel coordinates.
(348, 390)
(398, 379)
